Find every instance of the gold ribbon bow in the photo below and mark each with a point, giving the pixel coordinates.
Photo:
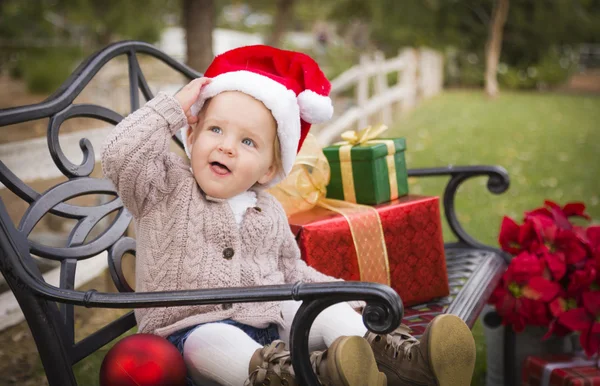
(305, 187)
(352, 138)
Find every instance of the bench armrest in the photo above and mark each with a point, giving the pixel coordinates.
(498, 182)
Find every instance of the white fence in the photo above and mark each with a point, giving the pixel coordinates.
(419, 74)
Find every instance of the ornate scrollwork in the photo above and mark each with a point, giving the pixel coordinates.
(88, 216)
(115, 262)
(72, 111)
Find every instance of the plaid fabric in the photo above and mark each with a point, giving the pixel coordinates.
(533, 371)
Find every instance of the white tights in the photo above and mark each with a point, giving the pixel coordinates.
(219, 354)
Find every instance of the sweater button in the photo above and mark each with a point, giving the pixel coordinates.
(258, 209)
(227, 306)
(228, 253)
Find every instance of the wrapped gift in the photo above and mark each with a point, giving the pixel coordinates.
(561, 370)
(366, 170)
(412, 234)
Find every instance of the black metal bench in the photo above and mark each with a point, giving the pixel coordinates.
(473, 268)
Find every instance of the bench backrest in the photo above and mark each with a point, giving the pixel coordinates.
(53, 327)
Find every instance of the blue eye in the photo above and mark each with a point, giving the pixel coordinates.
(215, 129)
(248, 142)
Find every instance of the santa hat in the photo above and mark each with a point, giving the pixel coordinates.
(288, 83)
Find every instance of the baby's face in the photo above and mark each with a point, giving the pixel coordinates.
(232, 145)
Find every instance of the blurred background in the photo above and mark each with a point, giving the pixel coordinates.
(514, 83)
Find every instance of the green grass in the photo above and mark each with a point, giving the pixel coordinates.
(548, 143)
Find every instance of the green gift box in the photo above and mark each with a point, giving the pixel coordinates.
(368, 173)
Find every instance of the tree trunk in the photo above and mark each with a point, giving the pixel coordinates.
(494, 46)
(283, 18)
(199, 22)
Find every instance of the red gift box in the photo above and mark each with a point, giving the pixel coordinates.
(560, 370)
(413, 237)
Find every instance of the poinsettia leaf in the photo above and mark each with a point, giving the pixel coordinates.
(535, 228)
(524, 266)
(576, 253)
(577, 319)
(560, 219)
(556, 264)
(582, 279)
(509, 236)
(558, 306)
(590, 342)
(534, 312)
(593, 236)
(538, 212)
(591, 302)
(556, 329)
(541, 289)
(576, 209)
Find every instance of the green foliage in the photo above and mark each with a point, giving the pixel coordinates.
(515, 78)
(466, 69)
(45, 70)
(533, 28)
(47, 37)
(555, 69)
(107, 20)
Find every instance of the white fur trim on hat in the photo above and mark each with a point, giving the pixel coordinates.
(314, 108)
(275, 96)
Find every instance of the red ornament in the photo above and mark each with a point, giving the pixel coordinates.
(143, 360)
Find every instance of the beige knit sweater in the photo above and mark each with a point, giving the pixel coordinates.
(186, 240)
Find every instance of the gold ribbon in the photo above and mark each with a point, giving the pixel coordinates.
(305, 187)
(366, 136)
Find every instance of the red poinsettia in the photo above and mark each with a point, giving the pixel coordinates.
(586, 320)
(522, 297)
(560, 215)
(515, 238)
(593, 236)
(556, 269)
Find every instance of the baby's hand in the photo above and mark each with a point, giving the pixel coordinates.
(188, 95)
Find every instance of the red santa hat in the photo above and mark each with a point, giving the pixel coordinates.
(288, 83)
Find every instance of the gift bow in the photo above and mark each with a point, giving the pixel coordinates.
(353, 137)
(306, 187)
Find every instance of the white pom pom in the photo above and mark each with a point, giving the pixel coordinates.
(314, 108)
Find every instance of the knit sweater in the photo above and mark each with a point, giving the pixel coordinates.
(187, 240)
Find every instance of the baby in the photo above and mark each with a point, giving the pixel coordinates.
(209, 223)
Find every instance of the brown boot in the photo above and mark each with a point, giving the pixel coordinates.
(349, 361)
(445, 355)
(271, 365)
